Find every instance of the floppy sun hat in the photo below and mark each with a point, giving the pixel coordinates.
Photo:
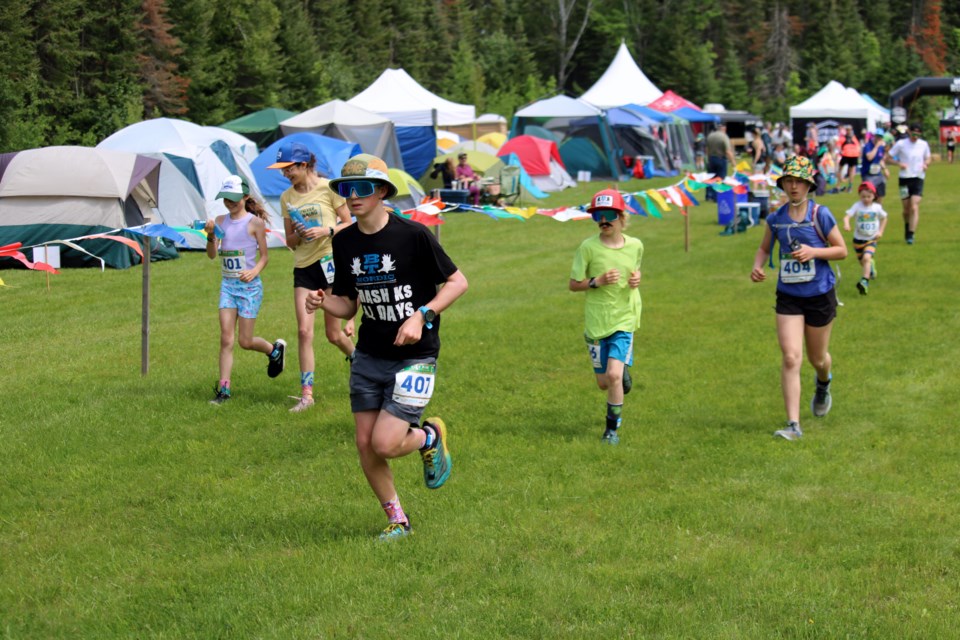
(798, 167)
(290, 153)
(364, 168)
(233, 188)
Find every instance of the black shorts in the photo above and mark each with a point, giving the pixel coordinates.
(817, 311)
(910, 187)
(848, 162)
(879, 182)
(311, 277)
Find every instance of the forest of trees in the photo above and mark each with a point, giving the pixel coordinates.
(75, 71)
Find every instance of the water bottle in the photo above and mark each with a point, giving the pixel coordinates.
(200, 225)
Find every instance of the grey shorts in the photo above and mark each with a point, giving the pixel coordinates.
(374, 385)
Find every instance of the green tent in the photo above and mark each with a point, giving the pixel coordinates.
(263, 127)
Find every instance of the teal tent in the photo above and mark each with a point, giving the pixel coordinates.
(263, 127)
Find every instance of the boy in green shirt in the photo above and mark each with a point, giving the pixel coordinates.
(607, 267)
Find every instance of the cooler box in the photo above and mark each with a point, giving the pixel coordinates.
(454, 196)
(748, 211)
(727, 205)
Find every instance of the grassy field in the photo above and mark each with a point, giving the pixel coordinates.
(130, 507)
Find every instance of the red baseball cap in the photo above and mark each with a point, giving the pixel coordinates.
(869, 186)
(607, 199)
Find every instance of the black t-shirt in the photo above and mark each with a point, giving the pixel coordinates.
(392, 273)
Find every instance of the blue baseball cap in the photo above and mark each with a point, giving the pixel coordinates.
(291, 153)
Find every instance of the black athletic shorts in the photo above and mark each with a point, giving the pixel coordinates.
(848, 162)
(817, 311)
(311, 277)
(910, 187)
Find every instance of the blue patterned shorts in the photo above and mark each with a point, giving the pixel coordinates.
(245, 297)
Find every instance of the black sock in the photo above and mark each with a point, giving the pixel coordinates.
(613, 416)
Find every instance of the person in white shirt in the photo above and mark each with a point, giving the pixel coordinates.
(913, 156)
(871, 221)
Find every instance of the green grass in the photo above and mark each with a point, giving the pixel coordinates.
(130, 507)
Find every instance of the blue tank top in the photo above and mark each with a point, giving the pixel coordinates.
(803, 280)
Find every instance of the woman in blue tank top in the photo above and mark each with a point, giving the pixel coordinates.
(808, 237)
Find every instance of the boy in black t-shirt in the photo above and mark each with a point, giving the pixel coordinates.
(391, 267)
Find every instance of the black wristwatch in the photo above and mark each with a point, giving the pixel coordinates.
(429, 315)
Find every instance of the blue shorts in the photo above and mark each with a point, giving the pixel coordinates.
(402, 388)
(618, 345)
(245, 297)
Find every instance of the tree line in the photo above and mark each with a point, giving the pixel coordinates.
(75, 71)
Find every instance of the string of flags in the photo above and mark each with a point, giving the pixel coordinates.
(648, 202)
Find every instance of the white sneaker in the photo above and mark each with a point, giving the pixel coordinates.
(302, 405)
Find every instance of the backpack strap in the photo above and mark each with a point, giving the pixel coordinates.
(816, 227)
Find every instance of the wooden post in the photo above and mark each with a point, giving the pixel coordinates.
(145, 311)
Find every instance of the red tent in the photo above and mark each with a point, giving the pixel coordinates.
(670, 101)
(534, 153)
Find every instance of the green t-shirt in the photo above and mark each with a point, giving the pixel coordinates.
(613, 307)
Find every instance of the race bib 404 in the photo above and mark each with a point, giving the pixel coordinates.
(793, 271)
(414, 385)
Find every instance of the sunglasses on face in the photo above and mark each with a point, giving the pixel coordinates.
(604, 215)
(360, 188)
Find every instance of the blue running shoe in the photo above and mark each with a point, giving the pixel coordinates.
(396, 530)
(862, 286)
(436, 459)
(790, 432)
(610, 436)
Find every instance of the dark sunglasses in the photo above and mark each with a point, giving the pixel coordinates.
(360, 188)
(605, 215)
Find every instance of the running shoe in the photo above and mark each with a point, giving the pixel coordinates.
(790, 432)
(302, 404)
(610, 436)
(862, 286)
(275, 364)
(396, 530)
(222, 395)
(436, 459)
(627, 380)
(822, 401)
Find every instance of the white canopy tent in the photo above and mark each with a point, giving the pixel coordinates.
(374, 133)
(397, 96)
(622, 83)
(839, 103)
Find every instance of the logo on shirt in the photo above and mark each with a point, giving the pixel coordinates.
(373, 268)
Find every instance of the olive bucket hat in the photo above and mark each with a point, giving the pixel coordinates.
(798, 167)
(366, 166)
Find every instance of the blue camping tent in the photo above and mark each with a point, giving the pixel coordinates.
(331, 155)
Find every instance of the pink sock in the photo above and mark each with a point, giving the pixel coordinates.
(394, 511)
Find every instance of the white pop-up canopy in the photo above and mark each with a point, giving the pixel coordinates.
(397, 96)
(622, 83)
(840, 103)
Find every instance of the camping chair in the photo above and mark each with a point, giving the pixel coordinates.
(510, 184)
